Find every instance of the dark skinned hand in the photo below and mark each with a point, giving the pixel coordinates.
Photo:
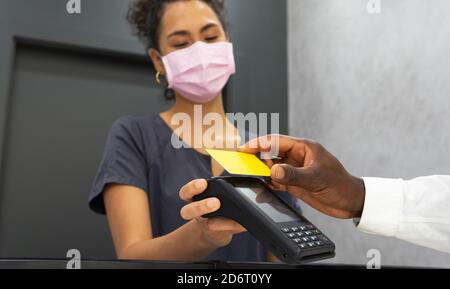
(309, 172)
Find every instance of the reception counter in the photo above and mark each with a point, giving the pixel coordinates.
(96, 264)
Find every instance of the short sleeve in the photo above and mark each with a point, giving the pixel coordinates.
(123, 161)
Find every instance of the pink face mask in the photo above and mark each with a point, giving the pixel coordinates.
(201, 71)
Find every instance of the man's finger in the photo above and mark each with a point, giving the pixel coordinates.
(292, 176)
(266, 144)
(277, 186)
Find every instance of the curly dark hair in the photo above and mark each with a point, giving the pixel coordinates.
(145, 16)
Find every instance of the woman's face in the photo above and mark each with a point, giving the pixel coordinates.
(184, 23)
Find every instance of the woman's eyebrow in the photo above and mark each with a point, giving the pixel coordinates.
(178, 33)
(207, 26)
(186, 33)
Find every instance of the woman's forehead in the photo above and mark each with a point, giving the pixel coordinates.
(187, 15)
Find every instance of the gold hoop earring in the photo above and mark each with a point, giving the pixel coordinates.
(158, 74)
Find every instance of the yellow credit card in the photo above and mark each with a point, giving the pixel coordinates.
(238, 163)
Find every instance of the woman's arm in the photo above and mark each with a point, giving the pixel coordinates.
(129, 219)
(130, 224)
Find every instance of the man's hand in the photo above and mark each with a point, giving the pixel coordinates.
(308, 171)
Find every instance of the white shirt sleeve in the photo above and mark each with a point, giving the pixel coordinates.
(417, 211)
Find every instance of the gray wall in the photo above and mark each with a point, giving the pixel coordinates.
(374, 89)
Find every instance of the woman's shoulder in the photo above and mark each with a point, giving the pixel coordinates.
(136, 125)
(133, 121)
(148, 131)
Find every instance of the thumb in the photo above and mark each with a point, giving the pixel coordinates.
(291, 176)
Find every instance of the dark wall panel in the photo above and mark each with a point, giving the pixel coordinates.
(63, 104)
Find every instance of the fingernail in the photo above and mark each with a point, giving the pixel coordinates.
(199, 184)
(212, 204)
(278, 172)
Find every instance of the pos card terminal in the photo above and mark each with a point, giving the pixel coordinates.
(279, 227)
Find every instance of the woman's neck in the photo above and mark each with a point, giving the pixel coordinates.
(182, 105)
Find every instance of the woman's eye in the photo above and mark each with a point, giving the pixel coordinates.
(180, 45)
(212, 38)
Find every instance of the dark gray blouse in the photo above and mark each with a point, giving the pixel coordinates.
(139, 153)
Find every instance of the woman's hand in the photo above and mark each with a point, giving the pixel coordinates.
(218, 232)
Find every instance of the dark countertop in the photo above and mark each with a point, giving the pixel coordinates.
(96, 264)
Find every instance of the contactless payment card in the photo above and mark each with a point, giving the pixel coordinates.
(238, 163)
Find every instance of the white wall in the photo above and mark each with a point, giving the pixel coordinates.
(375, 90)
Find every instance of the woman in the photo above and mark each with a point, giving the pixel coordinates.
(142, 175)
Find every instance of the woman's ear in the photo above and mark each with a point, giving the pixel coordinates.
(157, 61)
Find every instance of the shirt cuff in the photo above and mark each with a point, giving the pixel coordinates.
(383, 206)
